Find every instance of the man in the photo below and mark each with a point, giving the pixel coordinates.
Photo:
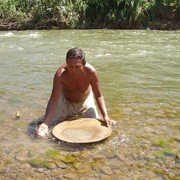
(74, 86)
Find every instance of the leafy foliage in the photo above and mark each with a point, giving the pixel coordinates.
(83, 13)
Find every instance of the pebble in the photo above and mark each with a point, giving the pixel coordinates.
(70, 176)
(25, 166)
(121, 158)
(107, 170)
(13, 175)
(17, 115)
(155, 164)
(148, 130)
(21, 176)
(58, 174)
(104, 177)
(61, 164)
(2, 169)
(40, 170)
(161, 162)
(7, 170)
(53, 165)
(169, 162)
(150, 158)
(22, 155)
(115, 165)
(171, 175)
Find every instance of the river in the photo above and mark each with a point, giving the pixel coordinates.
(140, 79)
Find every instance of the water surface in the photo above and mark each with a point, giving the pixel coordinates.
(139, 74)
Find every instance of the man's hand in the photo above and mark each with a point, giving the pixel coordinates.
(43, 130)
(108, 121)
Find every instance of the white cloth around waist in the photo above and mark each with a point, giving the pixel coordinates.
(66, 109)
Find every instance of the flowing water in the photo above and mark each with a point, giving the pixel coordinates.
(140, 79)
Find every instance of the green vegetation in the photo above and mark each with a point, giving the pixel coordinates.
(55, 154)
(164, 152)
(43, 14)
(52, 153)
(7, 162)
(68, 159)
(41, 163)
(165, 149)
(161, 143)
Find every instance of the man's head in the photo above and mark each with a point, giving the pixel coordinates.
(76, 54)
(75, 60)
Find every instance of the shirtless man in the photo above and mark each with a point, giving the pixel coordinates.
(74, 86)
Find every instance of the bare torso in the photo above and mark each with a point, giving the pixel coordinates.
(76, 88)
(74, 81)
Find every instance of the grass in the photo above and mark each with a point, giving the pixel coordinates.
(7, 162)
(163, 153)
(68, 159)
(53, 153)
(164, 149)
(161, 143)
(81, 14)
(40, 163)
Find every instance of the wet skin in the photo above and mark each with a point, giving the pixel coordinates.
(75, 81)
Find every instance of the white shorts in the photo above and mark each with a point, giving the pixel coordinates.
(71, 110)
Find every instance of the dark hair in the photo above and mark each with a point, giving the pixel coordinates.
(76, 53)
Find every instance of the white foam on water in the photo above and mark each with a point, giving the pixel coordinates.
(99, 55)
(20, 48)
(118, 140)
(108, 54)
(141, 53)
(32, 35)
(8, 34)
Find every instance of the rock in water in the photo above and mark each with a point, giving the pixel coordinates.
(17, 115)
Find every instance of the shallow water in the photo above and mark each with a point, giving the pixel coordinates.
(139, 73)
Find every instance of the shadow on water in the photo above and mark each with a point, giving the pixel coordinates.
(73, 147)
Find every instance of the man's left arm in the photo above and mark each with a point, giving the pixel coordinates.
(99, 97)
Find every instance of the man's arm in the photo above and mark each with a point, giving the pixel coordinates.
(99, 97)
(55, 95)
(53, 102)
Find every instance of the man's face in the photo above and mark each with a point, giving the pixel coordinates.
(75, 66)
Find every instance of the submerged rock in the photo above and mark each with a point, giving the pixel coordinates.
(25, 166)
(17, 115)
(107, 170)
(70, 176)
(60, 164)
(22, 155)
(40, 170)
(2, 169)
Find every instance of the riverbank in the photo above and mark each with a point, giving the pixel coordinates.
(53, 24)
(35, 15)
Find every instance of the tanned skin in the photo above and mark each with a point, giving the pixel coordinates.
(75, 80)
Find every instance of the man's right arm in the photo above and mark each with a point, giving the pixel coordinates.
(53, 101)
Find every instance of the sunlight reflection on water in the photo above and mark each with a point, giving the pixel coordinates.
(138, 72)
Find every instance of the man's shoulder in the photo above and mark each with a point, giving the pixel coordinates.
(61, 69)
(90, 68)
(59, 73)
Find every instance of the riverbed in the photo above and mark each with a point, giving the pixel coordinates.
(139, 76)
